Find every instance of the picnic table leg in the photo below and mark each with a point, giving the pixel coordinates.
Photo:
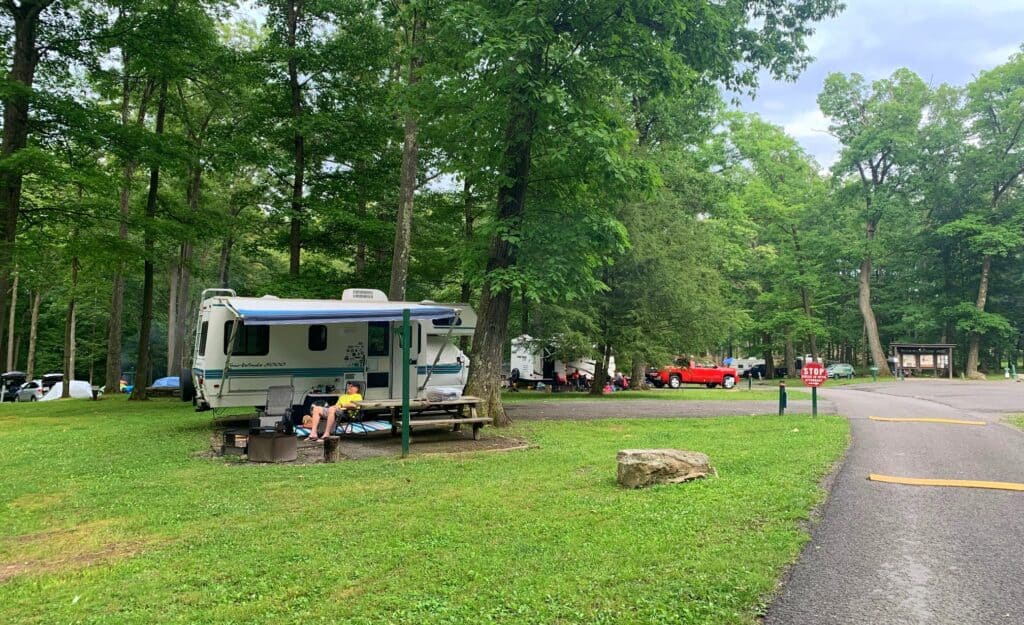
(394, 422)
(476, 431)
(459, 413)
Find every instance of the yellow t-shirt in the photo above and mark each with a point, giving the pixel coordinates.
(348, 398)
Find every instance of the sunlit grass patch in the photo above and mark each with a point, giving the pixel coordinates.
(120, 521)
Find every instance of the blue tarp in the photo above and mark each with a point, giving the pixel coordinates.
(168, 382)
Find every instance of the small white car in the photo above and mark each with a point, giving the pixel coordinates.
(30, 391)
(80, 389)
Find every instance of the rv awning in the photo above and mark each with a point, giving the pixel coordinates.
(265, 311)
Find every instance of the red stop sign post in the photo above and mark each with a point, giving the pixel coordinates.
(813, 375)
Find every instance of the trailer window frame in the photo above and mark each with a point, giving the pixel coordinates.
(249, 340)
(378, 338)
(204, 333)
(316, 339)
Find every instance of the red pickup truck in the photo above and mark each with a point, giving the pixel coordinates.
(686, 372)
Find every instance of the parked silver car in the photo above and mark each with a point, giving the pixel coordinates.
(30, 391)
(840, 370)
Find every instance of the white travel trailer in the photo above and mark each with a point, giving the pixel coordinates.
(244, 345)
(535, 364)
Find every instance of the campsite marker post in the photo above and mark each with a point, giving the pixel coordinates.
(406, 339)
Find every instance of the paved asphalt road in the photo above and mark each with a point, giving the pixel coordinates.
(586, 410)
(888, 554)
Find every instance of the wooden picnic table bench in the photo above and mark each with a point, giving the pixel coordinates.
(424, 413)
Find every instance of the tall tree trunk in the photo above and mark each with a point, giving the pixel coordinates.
(866, 310)
(295, 8)
(361, 245)
(975, 341)
(403, 223)
(33, 332)
(69, 332)
(182, 318)
(115, 327)
(407, 176)
(769, 359)
(805, 294)
(524, 312)
(224, 265)
(601, 370)
(172, 310)
(178, 324)
(790, 356)
(24, 59)
(142, 362)
(468, 219)
(492, 328)
(870, 323)
(11, 339)
(638, 378)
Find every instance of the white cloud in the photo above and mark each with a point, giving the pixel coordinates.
(806, 125)
(987, 59)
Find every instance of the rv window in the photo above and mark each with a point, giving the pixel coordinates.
(447, 322)
(317, 338)
(203, 333)
(377, 380)
(249, 341)
(378, 338)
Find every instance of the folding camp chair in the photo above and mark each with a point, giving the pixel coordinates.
(276, 415)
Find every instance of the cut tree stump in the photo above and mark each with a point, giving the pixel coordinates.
(332, 449)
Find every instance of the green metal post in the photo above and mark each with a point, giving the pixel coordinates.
(782, 398)
(406, 339)
(814, 401)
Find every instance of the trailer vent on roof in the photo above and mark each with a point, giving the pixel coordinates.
(364, 295)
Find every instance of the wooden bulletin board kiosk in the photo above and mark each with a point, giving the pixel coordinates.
(934, 359)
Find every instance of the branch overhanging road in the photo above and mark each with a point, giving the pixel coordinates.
(890, 554)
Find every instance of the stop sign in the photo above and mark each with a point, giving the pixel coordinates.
(813, 374)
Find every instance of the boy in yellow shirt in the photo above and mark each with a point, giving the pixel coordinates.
(345, 402)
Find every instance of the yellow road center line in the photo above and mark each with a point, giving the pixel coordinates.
(927, 420)
(917, 481)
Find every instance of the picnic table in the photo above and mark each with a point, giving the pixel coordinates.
(423, 413)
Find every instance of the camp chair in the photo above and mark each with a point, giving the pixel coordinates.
(348, 422)
(277, 412)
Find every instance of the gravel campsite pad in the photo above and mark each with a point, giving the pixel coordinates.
(385, 446)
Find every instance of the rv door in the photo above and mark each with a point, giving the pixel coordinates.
(396, 359)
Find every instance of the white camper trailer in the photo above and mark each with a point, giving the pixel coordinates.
(536, 364)
(244, 345)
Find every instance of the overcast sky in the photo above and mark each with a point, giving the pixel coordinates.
(947, 41)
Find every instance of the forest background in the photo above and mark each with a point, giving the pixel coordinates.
(571, 169)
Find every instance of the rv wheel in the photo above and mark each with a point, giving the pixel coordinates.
(188, 389)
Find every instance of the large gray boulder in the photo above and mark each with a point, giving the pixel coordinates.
(644, 467)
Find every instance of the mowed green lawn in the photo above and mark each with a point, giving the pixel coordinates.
(111, 517)
(692, 394)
